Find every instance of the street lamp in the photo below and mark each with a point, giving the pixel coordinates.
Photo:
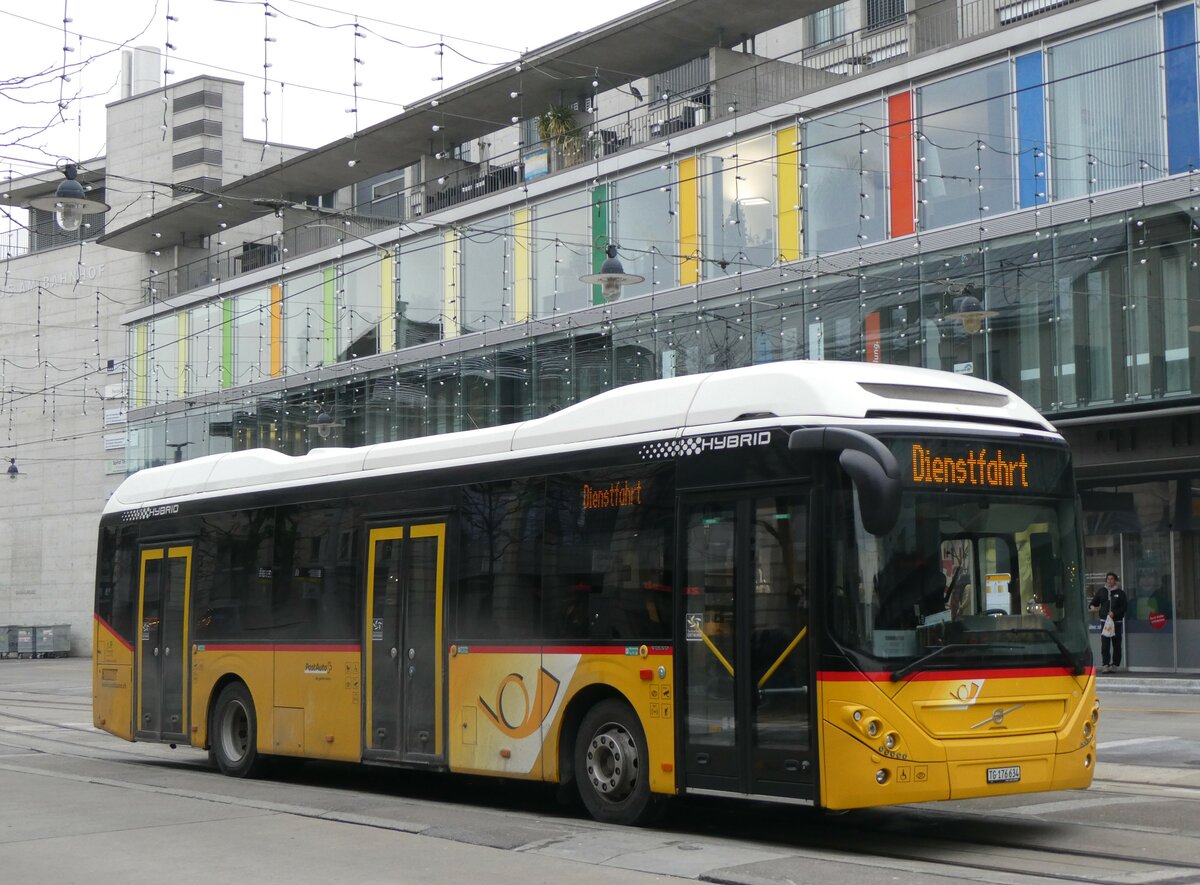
(612, 276)
(13, 472)
(70, 202)
(969, 310)
(325, 424)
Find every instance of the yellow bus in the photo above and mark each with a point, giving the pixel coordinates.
(835, 584)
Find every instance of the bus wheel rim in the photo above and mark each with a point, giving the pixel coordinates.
(235, 732)
(612, 763)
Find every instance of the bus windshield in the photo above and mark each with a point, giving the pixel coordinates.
(982, 567)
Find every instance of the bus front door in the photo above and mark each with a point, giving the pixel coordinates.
(403, 665)
(164, 587)
(745, 654)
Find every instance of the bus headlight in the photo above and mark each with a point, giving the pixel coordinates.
(873, 728)
(1087, 730)
(891, 740)
(881, 776)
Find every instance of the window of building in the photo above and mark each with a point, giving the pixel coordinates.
(881, 13)
(1105, 110)
(738, 192)
(251, 337)
(846, 194)
(360, 305)
(487, 279)
(303, 322)
(965, 147)
(562, 250)
(643, 218)
(827, 25)
(166, 383)
(419, 309)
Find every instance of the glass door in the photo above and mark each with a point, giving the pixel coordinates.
(403, 660)
(163, 594)
(745, 662)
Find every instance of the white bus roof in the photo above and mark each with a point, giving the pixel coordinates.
(792, 389)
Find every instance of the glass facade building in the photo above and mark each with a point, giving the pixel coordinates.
(1056, 181)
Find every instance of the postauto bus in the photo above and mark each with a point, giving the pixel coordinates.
(837, 584)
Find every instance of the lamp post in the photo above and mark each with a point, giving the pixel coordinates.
(13, 472)
(70, 202)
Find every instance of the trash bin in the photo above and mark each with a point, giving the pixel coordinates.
(26, 642)
(8, 641)
(52, 641)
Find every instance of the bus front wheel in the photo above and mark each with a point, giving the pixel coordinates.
(611, 765)
(233, 735)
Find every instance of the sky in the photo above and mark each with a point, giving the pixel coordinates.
(309, 52)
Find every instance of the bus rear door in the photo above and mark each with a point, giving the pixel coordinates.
(403, 665)
(164, 590)
(745, 658)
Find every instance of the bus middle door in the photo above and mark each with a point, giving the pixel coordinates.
(403, 665)
(746, 666)
(164, 588)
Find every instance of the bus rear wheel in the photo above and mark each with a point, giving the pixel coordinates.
(611, 765)
(233, 734)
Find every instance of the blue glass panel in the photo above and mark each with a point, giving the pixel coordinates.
(1183, 102)
(1031, 129)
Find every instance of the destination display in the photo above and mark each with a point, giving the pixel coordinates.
(980, 465)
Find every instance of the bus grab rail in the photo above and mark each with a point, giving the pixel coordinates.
(871, 467)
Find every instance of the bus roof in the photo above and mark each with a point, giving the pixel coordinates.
(798, 388)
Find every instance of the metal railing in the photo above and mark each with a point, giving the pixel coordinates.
(257, 254)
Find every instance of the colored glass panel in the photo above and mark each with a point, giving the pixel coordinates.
(1183, 101)
(900, 157)
(1031, 130)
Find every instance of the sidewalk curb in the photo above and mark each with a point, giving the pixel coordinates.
(1146, 685)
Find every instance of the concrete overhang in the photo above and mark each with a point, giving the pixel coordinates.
(19, 191)
(654, 39)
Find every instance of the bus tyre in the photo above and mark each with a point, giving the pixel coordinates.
(611, 765)
(233, 734)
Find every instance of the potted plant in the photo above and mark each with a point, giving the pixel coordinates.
(559, 130)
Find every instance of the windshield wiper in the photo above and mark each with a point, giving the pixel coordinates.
(920, 662)
(1069, 657)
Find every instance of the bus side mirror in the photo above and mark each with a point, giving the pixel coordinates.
(869, 463)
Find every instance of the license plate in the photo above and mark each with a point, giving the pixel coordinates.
(1009, 775)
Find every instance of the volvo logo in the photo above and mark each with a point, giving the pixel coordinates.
(997, 717)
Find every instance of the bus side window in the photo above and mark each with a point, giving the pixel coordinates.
(234, 571)
(607, 572)
(496, 596)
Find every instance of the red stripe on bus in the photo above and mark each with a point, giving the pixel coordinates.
(557, 649)
(948, 675)
(115, 635)
(268, 646)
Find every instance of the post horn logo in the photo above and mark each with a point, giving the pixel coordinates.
(528, 716)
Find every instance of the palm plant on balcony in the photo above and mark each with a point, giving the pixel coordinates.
(559, 130)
